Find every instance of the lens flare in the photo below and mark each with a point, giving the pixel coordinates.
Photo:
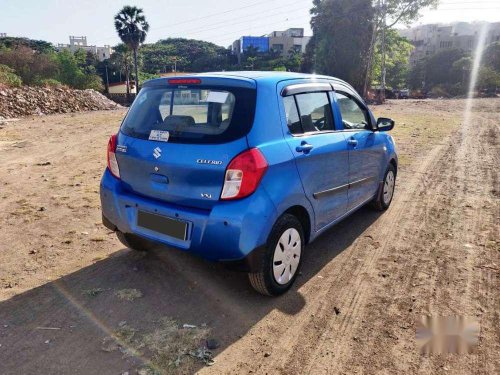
(476, 65)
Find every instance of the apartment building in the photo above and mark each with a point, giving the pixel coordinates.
(288, 40)
(284, 42)
(430, 39)
(80, 42)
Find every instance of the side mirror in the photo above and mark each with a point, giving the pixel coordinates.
(384, 124)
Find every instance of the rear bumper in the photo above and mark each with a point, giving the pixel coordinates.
(229, 232)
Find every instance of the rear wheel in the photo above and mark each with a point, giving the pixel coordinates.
(386, 191)
(134, 242)
(282, 259)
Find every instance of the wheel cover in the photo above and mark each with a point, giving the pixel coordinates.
(388, 187)
(287, 256)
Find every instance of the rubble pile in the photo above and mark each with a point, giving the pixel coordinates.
(27, 101)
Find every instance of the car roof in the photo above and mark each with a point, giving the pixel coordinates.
(259, 76)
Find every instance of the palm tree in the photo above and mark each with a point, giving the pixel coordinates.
(131, 26)
(122, 59)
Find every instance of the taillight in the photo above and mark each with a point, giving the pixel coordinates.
(243, 174)
(112, 162)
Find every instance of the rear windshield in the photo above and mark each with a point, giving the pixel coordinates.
(191, 114)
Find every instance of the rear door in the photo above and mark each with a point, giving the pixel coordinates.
(176, 141)
(320, 150)
(366, 152)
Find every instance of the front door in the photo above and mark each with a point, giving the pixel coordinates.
(365, 150)
(321, 154)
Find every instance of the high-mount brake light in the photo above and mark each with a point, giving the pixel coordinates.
(184, 81)
(243, 174)
(112, 162)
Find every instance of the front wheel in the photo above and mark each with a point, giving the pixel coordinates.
(386, 190)
(282, 259)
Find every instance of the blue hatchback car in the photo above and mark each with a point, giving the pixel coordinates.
(245, 168)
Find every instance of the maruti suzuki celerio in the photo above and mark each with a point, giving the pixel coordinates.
(245, 168)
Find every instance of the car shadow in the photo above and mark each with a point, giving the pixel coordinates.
(59, 327)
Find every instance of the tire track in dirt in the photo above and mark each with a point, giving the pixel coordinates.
(303, 340)
(437, 285)
(367, 278)
(310, 339)
(470, 211)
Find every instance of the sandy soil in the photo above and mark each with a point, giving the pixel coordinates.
(73, 300)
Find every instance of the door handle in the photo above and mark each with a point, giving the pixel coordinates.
(352, 142)
(304, 147)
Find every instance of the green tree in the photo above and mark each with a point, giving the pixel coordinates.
(157, 57)
(491, 56)
(132, 28)
(8, 77)
(342, 31)
(308, 60)
(73, 71)
(122, 60)
(488, 79)
(186, 55)
(28, 64)
(293, 62)
(388, 13)
(398, 51)
(416, 76)
(39, 46)
(440, 68)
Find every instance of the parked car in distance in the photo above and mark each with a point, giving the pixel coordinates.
(245, 168)
(404, 94)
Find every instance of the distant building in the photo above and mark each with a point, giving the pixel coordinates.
(279, 41)
(288, 40)
(430, 39)
(239, 46)
(3, 35)
(261, 43)
(80, 42)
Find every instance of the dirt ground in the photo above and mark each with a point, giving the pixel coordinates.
(73, 300)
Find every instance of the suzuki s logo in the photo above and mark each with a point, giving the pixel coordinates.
(157, 152)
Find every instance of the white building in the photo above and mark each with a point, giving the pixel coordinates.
(291, 39)
(430, 39)
(80, 42)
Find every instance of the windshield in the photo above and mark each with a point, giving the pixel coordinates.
(191, 115)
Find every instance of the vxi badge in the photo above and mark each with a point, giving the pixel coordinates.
(206, 161)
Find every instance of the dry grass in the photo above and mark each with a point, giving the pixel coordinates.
(417, 130)
(169, 347)
(129, 294)
(172, 345)
(93, 292)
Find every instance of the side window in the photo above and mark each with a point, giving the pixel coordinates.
(292, 115)
(315, 112)
(353, 116)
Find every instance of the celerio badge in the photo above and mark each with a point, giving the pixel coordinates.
(206, 161)
(157, 152)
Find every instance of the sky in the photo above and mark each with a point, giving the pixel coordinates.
(217, 21)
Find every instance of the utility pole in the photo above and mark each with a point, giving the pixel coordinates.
(174, 66)
(384, 24)
(107, 78)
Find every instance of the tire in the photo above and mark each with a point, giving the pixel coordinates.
(386, 190)
(267, 281)
(134, 242)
